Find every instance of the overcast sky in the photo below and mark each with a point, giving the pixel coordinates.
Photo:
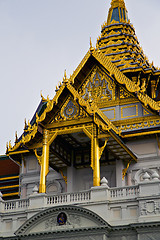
(39, 39)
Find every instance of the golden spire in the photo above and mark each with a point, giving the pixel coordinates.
(91, 47)
(116, 3)
(65, 79)
(25, 124)
(117, 12)
(10, 146)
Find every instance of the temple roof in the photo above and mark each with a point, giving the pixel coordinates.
(121, 60)
(120, 44)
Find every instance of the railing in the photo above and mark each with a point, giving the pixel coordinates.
(69, 198)
(124, 192)
(19, 204)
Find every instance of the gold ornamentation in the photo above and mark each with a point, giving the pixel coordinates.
(138, 123)
(101, 149)
(119, 76)
(141, 124)
(65, 79)
(124, 171)
(44, 161)
(64, 177)
(145, 112)
(91, 47)
(143, 87)
(69, 111)
(144, 98)
(153, 88)
(124, 94)
(16, 137)
(39, 158)
(24, 139)
(98, 87)
(114, 71)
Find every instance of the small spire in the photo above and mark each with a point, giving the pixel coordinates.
(91, 47)
(16, 137)
(65, 77)
(118, 12)
(114, 3)
(25, 124)
(10, 145)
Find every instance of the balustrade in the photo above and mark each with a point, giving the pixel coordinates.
(124, 192)
(70, 198)
(13, 205)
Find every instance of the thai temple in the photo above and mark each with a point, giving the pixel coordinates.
(87, 166)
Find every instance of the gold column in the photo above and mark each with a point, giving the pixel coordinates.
(95, 157)
(44, 162)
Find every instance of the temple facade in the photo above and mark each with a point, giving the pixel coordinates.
(87, 165)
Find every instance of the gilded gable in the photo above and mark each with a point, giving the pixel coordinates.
(69, 111)
(98, 87)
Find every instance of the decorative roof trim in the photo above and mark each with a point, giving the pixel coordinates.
(122, 79)
(114, 71)
(92, 109)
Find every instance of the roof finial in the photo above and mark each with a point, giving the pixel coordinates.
(25, 124)
(16, 137)
(91, 47)
(10, 145)
(117, 1)
(117, 12)
(65, 79)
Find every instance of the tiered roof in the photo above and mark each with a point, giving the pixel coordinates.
(120, 44)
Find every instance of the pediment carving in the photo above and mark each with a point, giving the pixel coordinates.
(98, 87)
(69, 111)
(61, 219)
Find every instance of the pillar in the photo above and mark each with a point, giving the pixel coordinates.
(44, 162)
(95, 158)
(119, 169)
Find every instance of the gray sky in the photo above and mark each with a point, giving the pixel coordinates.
(39, 39)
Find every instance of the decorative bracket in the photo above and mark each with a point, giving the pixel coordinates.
(38, 157)
(101, 149)
(124, 171)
